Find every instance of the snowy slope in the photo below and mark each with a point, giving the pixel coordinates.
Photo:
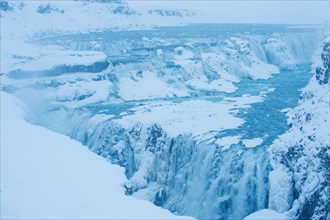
(27, 18)
(45, 175)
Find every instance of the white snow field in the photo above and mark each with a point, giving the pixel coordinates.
(46, 175)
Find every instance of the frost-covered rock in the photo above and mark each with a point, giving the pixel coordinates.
(322, 72)
(5, 6)
(48, 8)
(171, 12)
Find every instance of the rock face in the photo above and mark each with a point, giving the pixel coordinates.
(322, 72)
(302, 155)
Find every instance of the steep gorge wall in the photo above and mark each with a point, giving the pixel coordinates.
(300, 158)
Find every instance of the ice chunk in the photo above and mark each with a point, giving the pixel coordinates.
(226, 142)
(250, 143)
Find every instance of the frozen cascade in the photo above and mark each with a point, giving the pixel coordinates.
(197, 178)
(220, 184)
(186, 173)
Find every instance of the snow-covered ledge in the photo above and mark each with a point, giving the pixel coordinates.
(29, 60)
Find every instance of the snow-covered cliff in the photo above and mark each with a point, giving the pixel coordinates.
(46, 175)
(300, 158)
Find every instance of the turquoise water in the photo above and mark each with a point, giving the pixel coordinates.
(265, 119)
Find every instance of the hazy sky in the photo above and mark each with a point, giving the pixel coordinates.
(244, 11)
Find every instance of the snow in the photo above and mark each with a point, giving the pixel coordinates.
(271, 90)
(68, 93)
(280, 54)
(67, 90)
(245, 100)
(216, 85)
(226, 142)
(299, 157)
(218, 63)
(196, 117)
(245, 62)
(160, 52)
(250, 143)
(147, 193)
(183, 54)
(266, 214)
(27, 60)
(280, 192)
(65, 16)
(236, 60)
(193, 67)
(47, 175)
(24, 25)
(286, 110)
(261, 70)
(39, 178)
(55, 58)
(148, 86)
